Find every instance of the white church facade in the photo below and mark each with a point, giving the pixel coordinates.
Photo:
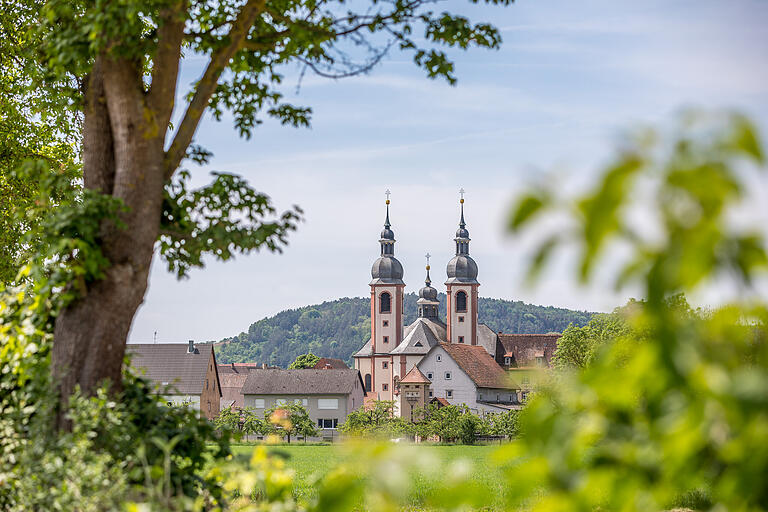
(458, 357)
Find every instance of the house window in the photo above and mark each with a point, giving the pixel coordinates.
(448, 393)
(539, 361)
(385, 303)
(386, 339)
(507, 361)
(439, 358)
(461, 319)
(280, 402)
(461, 339)
(327, 403)
(367, 382)
(429, 375)
(385, 364)
(258, 403)
(385, 323)
(327, 423)
(447, 375)
(461, 302)
(430, 393)
(384, 387)
(526, 381)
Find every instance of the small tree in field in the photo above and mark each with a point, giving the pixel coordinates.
(289, 420)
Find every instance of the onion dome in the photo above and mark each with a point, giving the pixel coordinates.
(428, 303)
(386, 269)
(462, 268)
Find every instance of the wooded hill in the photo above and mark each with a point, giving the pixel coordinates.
(339, 328)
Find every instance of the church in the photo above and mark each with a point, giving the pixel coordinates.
(459, 361)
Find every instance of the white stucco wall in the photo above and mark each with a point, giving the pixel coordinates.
(464, 389)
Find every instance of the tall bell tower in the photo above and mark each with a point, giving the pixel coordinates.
(462, 288)
(387, 288)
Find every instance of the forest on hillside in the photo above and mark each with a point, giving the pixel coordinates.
(339, 328)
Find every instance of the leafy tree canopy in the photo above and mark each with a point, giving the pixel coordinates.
(304, 361)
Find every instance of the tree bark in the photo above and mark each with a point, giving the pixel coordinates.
(122, 156)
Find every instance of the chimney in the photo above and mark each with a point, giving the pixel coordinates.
(191, 349)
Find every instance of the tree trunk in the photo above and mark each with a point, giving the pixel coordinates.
(123, 157)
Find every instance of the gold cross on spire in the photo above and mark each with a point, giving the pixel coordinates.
(461, 193)
(387, 193)
(427, 256)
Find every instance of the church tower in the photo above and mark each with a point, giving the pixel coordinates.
(386, 311)
(462, 288)
(428, 303)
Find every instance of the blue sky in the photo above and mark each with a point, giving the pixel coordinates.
(570, 77)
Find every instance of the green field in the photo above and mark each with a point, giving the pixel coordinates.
(311, 462)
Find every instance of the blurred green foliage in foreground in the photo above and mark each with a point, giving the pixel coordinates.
(672, 411)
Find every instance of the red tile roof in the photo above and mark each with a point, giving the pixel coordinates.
(415, 377)
(441, 402)
(525, 348)
(330, 363)
(484, 371)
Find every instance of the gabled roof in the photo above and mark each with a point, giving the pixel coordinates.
(436, 325)
(441, 402)
(419, 340)
(525, 348)
(367, 350)
(240, 367)
(172, 367)
(302, 382)
(231, 387)
(415, 377)
(326, 363)
(484, 371)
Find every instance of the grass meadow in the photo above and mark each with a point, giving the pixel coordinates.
(311, 462)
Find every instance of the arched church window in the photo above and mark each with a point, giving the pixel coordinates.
(385, 303)
(368, 382)
(461, 302)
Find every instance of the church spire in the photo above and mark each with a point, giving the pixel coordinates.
(462, 234)
(387, 239)
(427, 302)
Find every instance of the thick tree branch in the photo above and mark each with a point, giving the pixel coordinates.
(98, 151)
(207, 85)
(165, 68)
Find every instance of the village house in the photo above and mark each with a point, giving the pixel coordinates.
(328, 395)
(232, 377)
(526, 357)
(184, 374)
(466, 374)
